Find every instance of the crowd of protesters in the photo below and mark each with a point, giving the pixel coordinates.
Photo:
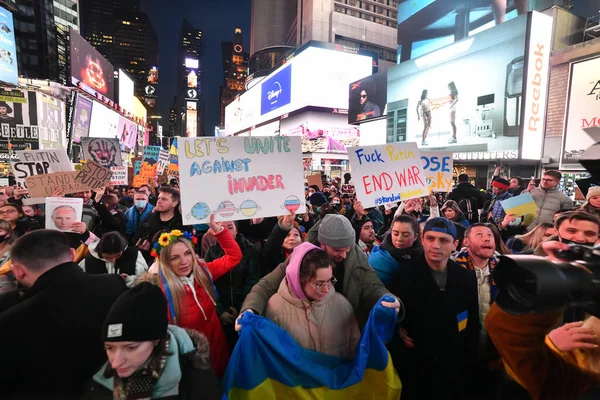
(132, 303)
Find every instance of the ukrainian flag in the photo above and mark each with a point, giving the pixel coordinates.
(268, 364)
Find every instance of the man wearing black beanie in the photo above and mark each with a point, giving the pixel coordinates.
(51, 342)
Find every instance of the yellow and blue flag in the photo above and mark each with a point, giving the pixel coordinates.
(267, 363)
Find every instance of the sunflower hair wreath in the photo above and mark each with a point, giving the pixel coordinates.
(165, 239)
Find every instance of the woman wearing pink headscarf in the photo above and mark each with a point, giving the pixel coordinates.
(308, 308)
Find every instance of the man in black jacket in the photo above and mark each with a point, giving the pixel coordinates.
(51, 338)
(437, 343)
(473, 198)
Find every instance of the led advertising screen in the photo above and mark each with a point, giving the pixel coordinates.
(19, 121)
(192, 63)
(126, 91)
(9, 72)
(319, 78)
(105, 122)
(82, 118)
(192, 79)
(128, 132)
(153, 76)
(368, 97)
(138, 109)
(469, 97)
(191, 124)
(51, 117)
(90, 68)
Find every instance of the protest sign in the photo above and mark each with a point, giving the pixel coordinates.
(520, 205)
(45, 185)
(173, 169)
(163, 161)
(38, 162)
(62, 212)
(102, 151)
(387, 173)
(93, 176)
(137, 166)
(437, 170)
(240, 177)
(315, 179)
(119, 176)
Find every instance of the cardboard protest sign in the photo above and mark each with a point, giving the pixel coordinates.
(45, 185)
(315, 179)
(387, 173)
(102, 151)
(520, 205)
(119, 176)
(62, 212)
(163, 161)
(39, 162)
(437, 169)
(173, 169)
(93, 176)
(240, 177)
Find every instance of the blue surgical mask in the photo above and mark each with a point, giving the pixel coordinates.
(141, 204)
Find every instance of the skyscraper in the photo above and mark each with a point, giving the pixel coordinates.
(124, 35)
(271, 21)
(235, 70)
(189, 78)
(66, 14)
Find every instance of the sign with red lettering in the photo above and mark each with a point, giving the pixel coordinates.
(238, 178)
(387, 173)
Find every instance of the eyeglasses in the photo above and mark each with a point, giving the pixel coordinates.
(548, 180)
(9, 211)
(321, 286)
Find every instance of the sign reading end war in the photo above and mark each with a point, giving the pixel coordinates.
(437, 169)
(240, 177)
(387, 173)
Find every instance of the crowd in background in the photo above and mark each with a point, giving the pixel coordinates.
(133, 303)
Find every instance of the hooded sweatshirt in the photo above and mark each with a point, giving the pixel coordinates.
(327, 325)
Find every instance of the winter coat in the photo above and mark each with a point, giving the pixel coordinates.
(152, 225)
(272, 253)
(385, 259)
(549, 202)
(360, 285)
(132, 263)
(54, 333)
(109, 222)
(187, 373)
(198, 311)
(528, 354)
(25, 225)
(327, 325)
(443, 348)
(134, 218)
(465, 190)
(236, 284)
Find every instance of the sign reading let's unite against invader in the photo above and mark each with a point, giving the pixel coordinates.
(238, 178)
(387, 173)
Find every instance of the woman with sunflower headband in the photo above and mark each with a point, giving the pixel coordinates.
(187, 283)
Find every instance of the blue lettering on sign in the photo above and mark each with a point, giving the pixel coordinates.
(436, 164)
(374, 157)
(276, 91)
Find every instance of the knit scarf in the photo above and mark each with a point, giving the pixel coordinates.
(465, 260)
(399, 255)
(141, 383)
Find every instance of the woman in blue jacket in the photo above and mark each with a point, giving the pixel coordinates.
(400, 245)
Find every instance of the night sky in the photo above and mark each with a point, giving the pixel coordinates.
(217, 19)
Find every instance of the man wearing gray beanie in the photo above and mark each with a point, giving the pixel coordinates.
(356, 279)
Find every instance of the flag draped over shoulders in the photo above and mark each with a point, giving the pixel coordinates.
(268, 364)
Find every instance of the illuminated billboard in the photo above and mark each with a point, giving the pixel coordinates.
(319, 77)
(367, 98)
(51, 120)
(153, 76)
(104, 122)
(126, 91)
(91, 69)
(19, 122)
(191, 124)
(9, 72)
(476, 97)
(82, 118)
(192, 79)
(192, 63)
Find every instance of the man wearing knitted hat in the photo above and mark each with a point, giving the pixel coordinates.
(356, 279)
(500, 192)
(438, 340)
(549, 198)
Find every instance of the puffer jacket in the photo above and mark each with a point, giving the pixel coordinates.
(360, 285)
(549, 202)
(131, 263)
(134, 218)
(327, 325)
(186, 375)
(385, 259)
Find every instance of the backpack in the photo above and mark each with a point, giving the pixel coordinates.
(468, 206)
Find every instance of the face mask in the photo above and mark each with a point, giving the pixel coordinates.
(567, 241)
(141, 204)
(3, 238)
(516, 222)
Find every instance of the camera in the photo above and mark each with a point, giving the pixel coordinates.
(531, 284)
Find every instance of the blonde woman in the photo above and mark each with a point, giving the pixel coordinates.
(527, 243)
(187, 283)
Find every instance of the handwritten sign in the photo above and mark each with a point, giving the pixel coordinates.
(119, 176)
(102, 151)
(137, 166)
(93, 176)
(387, 173)
(437, 169)
(45, 185)
(315, 179)
(520, 205)
(39, 162)
(240, 177)
(163, 161)
(173, 169)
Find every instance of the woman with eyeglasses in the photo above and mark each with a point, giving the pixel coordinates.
(19, 222)
(308, 308)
